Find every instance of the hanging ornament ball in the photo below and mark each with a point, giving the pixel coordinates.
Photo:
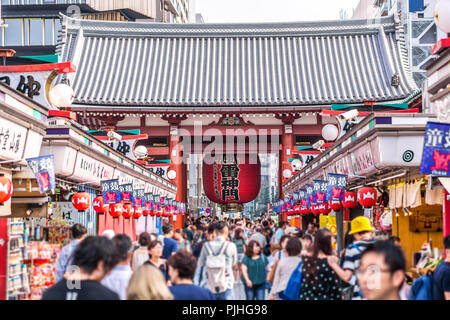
(171, 174)
(442, 15)
(61, 96)
(140, 152)
(330, 132)
(287, 173)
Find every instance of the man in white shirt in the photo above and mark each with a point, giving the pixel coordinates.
(117, 280)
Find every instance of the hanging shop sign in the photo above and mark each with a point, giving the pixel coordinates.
(336, 186)
(89, 169)
(362, 159)
(139, 197)
(232, 179)
(126, 192)
(44, 169)
(12, 139)
(436, 149)
(111, 192)
(160, 170)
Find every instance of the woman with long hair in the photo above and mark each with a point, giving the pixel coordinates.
(320, 282)
(182, 240)
(254, 271)
(147, 283)
(140, 255)
(155, 260)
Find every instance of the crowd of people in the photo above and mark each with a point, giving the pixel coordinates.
(212, 259)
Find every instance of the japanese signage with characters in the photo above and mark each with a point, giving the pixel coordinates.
(12, 139)
(126, 192)
(336, 186)
(44, 170)
(230, 181)
(111, 191)
(436, 149)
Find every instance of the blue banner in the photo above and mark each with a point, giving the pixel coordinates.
(436, 149)
(126, 192)
(111, 191)
(320, 189)
(309, 194)
(44, 170)
(139, 197)
(336, 186)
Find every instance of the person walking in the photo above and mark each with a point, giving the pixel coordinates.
(182, 241)
(148, 283)
(93, 259)
(285, 267)
(188, 232)
(140, 255)
(239, 241)
(441, 276)
(155, 258)
(258, 236)
(181, 270)
(361, 229)
(218, 256)
(307, 243)
(280, 232)
(117, 280)
(78, 232)
(381, 273)
(170, 246)
(254, 266)
(320, 282)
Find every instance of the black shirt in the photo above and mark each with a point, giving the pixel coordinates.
(87, 290)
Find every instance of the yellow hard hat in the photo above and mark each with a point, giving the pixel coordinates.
(360, 224)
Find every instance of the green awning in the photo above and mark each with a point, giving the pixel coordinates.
(51, 58)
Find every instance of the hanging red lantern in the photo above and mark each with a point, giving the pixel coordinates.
(138, 212)
(115, 210)
(98, 205)
(81, 201)
(349, 201)
(324, 208)
(335, 204)
(367, 197)
(127, 211)
(146, 212)
(232, 179)
(6, 189)
(315, 209)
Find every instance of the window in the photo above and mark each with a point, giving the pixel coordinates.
(36, 32)
(13, 32)
(48, 32)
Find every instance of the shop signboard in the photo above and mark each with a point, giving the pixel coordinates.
(399, 151)
(362, 159)
(340, 166)
(426, 219)
(126, 192)
(436, 149)
(160, 170)
(90, 169)
(12, 140)
(111, 192)
(323, 221)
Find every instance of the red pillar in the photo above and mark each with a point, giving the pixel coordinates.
(446, 214)
(287, 144)
(177, 164)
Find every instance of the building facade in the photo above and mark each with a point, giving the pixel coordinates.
(417, 20)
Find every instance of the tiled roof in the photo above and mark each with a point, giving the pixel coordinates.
(309, 63)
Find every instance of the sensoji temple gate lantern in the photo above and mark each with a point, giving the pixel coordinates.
(262, 86)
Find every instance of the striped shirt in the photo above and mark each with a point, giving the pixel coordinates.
(352, 259)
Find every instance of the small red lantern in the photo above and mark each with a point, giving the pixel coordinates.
(98, 205)
(146, 212)
(315, 209)
(127, 211)
(138, 211)
(324, 208)
(349, 201)
(335, 204)
(81, 201)
(6, 189)
(367, 197)
(115, 210)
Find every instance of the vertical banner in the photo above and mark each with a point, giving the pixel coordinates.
(336, 186)
(139, 197)
(44, 170)
(309, 195)
(436, 149)
(126, 192)
(319, 191)
(111, 191)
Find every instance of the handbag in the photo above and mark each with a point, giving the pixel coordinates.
(294, 286)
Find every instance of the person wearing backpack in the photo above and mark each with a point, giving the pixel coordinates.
(320, 282)
(361, 229)
(218, 258)
(381, 273)
(254, 267)
(441, 276)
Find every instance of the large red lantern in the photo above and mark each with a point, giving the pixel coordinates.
(349, 201)
(127, 211)
(98, 205)
(232, 178)
(138, 212)
(115, 210)
(367, 197)
(81, 201)
(6, 189)
(324, 208)
(335, 204)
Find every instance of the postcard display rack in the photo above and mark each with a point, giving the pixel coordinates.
(33, 250)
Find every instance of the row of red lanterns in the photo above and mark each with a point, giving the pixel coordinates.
(366, 197)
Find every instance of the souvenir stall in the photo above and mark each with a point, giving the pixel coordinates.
(379, 160)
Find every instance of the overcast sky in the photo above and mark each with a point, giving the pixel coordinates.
(271, 10)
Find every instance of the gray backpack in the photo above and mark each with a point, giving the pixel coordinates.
(216, 275)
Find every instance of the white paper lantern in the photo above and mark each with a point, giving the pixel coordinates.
(330, 132)
(442, 15)
(171, 174)
(141, 151)
(287, 173)
(296, 164)
(61, 96)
